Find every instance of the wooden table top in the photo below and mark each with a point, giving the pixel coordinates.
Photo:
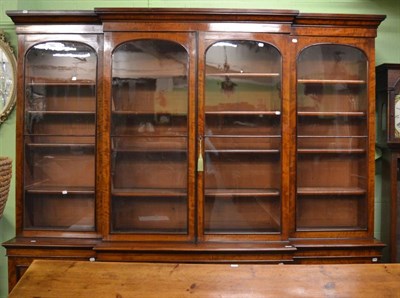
(46, 278)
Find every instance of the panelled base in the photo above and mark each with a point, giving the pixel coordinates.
(22, 251)
(333, 251)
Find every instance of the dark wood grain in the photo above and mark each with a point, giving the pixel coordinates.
(285, 163)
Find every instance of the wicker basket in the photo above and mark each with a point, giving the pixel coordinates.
(5, 179)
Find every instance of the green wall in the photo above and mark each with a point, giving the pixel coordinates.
(387, 51)
(7, 148)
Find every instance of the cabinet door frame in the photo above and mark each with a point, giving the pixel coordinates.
(365, 45)
(27, 40)
(280, 42)
(112, 41)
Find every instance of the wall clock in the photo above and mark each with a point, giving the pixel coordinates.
(388, 104)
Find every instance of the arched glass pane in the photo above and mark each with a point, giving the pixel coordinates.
(242, 138)
(59, 135)
(332, 138)
(149, 137)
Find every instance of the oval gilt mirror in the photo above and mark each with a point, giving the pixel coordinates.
(8, 67)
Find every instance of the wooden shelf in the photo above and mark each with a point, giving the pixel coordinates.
(56, 190)
(244, 74)
(54, 145)
(253, 231)
(244, 113)
(151, 135)
(330, 81)
(62, 113)
(146, 113)
(336, 191)
(63, 83)
(242, 192)
(331, 137)
(243, 136)
(149, 150)
(331, 151)
(59, 136)
(148, 192)
(330, 229)
(331, 114)
(270, 151)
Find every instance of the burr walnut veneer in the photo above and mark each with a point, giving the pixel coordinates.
(194, 135)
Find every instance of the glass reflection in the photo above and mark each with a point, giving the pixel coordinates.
(60, 117)
(242, 138)
(149, 137)
(332, 138)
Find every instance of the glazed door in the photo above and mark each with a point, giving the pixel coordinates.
(59, 136)
(334, 143)
(152, 136)
(240, 160)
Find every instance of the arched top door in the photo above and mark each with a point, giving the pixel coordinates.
(59, 136)
(333, 139)
(149, 138)
(242, 139)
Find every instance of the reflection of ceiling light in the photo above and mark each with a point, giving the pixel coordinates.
(261, 45)
(54, 46)
(85, 55)
(225, 44)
